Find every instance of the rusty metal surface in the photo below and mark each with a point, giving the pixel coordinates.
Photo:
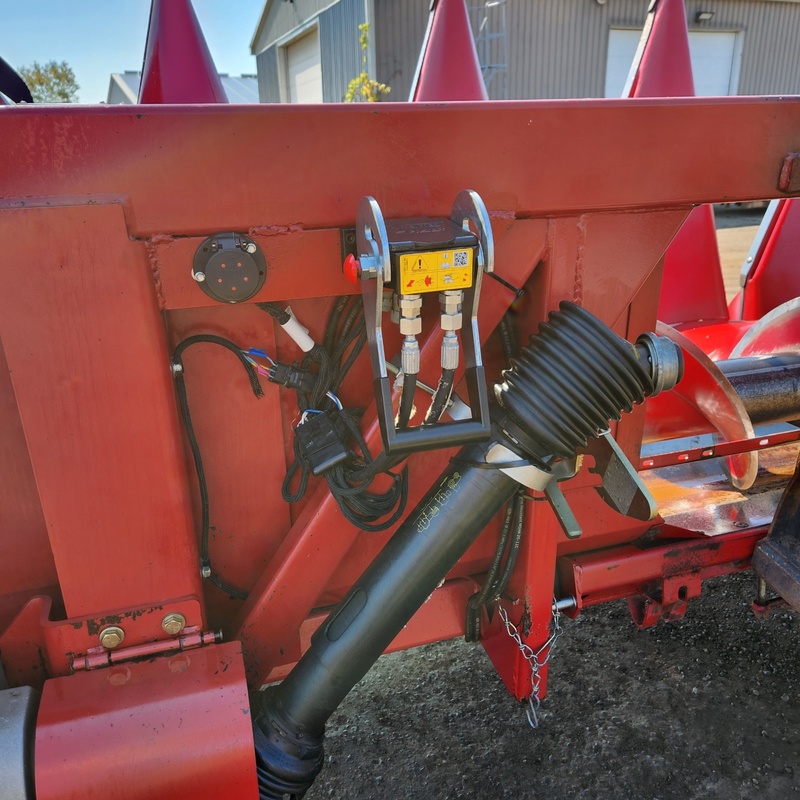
(35, 646)
(698, 496)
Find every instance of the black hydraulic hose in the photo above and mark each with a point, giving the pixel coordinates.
(514, 518)
(517, 529)
(406, 401)
(479, 599)
(508, 337)
(495, 584)
(441, 397)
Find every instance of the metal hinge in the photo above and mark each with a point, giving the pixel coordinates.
(190, 638)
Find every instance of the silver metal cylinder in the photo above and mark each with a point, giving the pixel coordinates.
(450, 350)
(409, 356)
(769, 386)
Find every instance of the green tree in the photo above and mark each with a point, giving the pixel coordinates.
(363, 87)
(51, 82)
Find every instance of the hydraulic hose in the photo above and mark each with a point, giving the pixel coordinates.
(406, 400)
(549, 403)
(441, 397)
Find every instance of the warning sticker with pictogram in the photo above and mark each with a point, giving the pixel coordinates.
(436, 271)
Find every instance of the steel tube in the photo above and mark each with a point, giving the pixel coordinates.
(769, 386)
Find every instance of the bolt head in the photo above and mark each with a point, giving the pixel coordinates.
(199, 276)
(250, 247)
(173, 624)
(111, 637)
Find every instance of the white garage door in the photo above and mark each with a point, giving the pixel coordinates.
(304, 69)
(715, 61)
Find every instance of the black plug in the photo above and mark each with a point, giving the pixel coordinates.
(293, 377)
(320, 443)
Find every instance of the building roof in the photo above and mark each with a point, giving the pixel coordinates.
(124, 87)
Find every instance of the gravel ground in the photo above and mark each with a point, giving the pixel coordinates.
(701, 708)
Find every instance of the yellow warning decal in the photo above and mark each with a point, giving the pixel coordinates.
(436, 271)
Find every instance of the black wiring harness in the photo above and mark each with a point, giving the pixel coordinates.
(322, 447)
(334, 445)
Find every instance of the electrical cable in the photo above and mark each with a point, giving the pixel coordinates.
(183, 400)
(276, 312)
(349, 480)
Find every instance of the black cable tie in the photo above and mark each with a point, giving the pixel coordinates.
(510, 286)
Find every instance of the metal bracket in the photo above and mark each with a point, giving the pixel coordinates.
(622, 488)
(372, 244)
(776, 559)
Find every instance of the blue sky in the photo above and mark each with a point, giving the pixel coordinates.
(98, 37)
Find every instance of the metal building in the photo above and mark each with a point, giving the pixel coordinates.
(123, 88)
(308, 50)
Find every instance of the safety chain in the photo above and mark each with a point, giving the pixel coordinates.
(536, 659)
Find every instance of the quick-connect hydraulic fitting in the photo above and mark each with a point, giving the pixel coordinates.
(450, 351)
(418, 256)
(409, 356)
(451, 303)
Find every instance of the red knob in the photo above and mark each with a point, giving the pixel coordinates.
(352, 268)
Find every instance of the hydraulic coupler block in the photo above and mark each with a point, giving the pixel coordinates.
(415, 257)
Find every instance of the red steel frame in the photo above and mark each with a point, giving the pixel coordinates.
(103, 209)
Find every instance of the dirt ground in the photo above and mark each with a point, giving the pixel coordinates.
(702, 708)
(736, 229)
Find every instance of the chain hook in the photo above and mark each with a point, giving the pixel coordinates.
(536, 660)
(531, 711)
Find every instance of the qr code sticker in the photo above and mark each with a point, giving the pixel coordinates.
(461, 259)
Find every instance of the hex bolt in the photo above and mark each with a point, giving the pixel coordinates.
(111, 637)
(250, 247)
(199, 276)
(173, 624)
